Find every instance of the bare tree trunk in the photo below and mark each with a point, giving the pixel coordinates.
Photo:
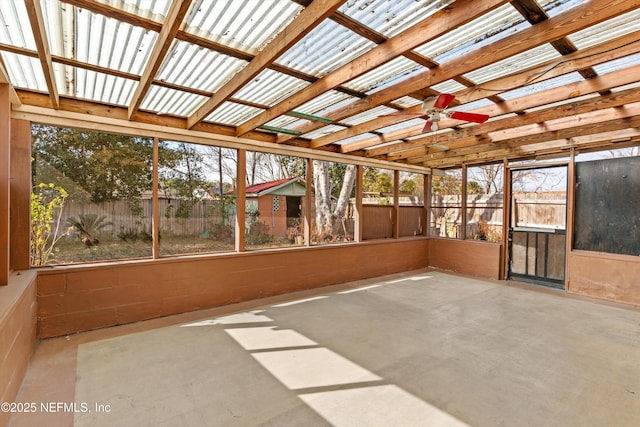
(345, 195)
(322, 186)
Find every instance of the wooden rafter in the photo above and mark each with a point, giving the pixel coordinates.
(572, 20)
(172, 24)
(308, 19)
(454, 16)
(42, 43)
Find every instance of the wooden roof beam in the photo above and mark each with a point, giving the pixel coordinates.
(455, 15)
(173, 22)
(42, 44)
(308, 19)
(575, 19)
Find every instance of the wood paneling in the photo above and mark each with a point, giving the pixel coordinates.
(79, 298)
(20, 195)
(470, 257)
(5, 155)
(611, 277)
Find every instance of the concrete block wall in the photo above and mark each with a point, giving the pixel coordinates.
(81, 298)
(17, 334)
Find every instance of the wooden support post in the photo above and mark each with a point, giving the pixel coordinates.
(571, 194)
(506, 216)
(396, 204)
(463, 200)
(241, 186)
(308, 200)
(357, 228)
(427, 203)
(5, 167)
(20, 194)
(155, 223)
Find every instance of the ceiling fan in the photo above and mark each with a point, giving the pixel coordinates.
(435, 108)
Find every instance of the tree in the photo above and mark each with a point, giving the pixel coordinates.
(328, 214)
(102, 166)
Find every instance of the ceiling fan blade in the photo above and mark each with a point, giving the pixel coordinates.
(469, 117)
(443, 100)
(427, 126)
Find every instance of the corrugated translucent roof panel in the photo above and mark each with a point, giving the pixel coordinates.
(449, 86)
(325, 103)
(618, 64)
(556, 7)
(624, 24)
(368, 115)
(495, 25)
(390, 17)
(513, 64)
(24, 71)
(95, 39)
(406, 102)
(163, 100)
(101, 87)
(390, 73)
(14, 25)
(233, 114)
(247, 25)
(324, 49)
(544, 85)
(155, 10)
(399, 126)
(326, 130)
(270, 87)
(194, 66)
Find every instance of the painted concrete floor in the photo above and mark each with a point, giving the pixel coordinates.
(423, 348)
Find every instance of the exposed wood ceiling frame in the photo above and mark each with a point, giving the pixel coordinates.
(306, 21)
(173, 22)
(573, 20)
(611, 50)
(512, 124)
(470, 144)
(595, 122)
(477, 134)
(452, 17)
(44, 54)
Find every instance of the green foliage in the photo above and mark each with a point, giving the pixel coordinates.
(47, 201)
(376, 180)
(474, 188)
(183, 176)
(88, 227)
(408, 186)
(133, 235)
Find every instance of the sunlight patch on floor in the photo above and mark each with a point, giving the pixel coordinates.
(384, 405)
